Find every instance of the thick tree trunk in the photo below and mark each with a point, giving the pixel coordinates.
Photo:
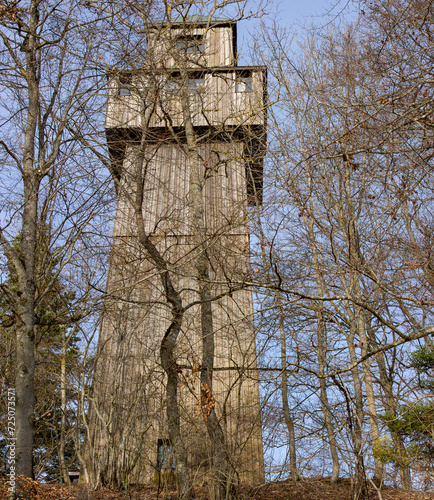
(223, 469)
(25, 401)
(221, 463)
(62, 439)
(168, 343)
(25, 385)
(169, 364)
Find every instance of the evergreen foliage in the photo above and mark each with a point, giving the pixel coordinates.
(54, 330)
(415, 421)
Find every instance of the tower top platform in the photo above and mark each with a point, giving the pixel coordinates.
(196, 20)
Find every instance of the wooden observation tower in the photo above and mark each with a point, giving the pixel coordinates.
(189, 104)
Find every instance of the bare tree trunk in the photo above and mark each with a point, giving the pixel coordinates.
(25, 385)
(223, 469)
(390, 405)
(168, 343)
(284, 387)
(324, 399)
(370, 397)
(62, 439)
(25, 402)
(321, 346)
(356, 319)
(359, 489)
(283, 354)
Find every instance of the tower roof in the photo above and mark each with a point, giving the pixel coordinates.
(200, 20)
(194, 20)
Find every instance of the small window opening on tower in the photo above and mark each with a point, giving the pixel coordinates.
(190, 44)
(125, 84)
(195, 83)
(172, 86)
(244, 83)
(165, 459)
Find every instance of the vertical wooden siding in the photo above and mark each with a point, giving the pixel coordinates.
(215, 104)
(129, 415)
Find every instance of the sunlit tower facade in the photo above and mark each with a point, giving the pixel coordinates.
(146, 133)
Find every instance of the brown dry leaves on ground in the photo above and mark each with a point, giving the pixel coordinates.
(27, 489)
(305, 489)
(322, 489)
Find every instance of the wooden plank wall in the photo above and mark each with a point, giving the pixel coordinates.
(129, 400)
(162, 54)
(136, 314)
(215, 104)
(167, 184)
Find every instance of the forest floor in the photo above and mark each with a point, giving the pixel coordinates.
(304, 489)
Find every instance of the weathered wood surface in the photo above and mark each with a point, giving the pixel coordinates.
(128, 416)
(136, 316)
(218, 47)
(215, 104)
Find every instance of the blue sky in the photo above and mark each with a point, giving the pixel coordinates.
(295, 10)
(293, 13)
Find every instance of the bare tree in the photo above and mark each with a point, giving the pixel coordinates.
(48, 90)
(341, 157)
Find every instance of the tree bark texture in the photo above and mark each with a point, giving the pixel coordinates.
(25, 385)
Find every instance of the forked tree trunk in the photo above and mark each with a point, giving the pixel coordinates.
(168, 343)
(223, 469)
(321, 346)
